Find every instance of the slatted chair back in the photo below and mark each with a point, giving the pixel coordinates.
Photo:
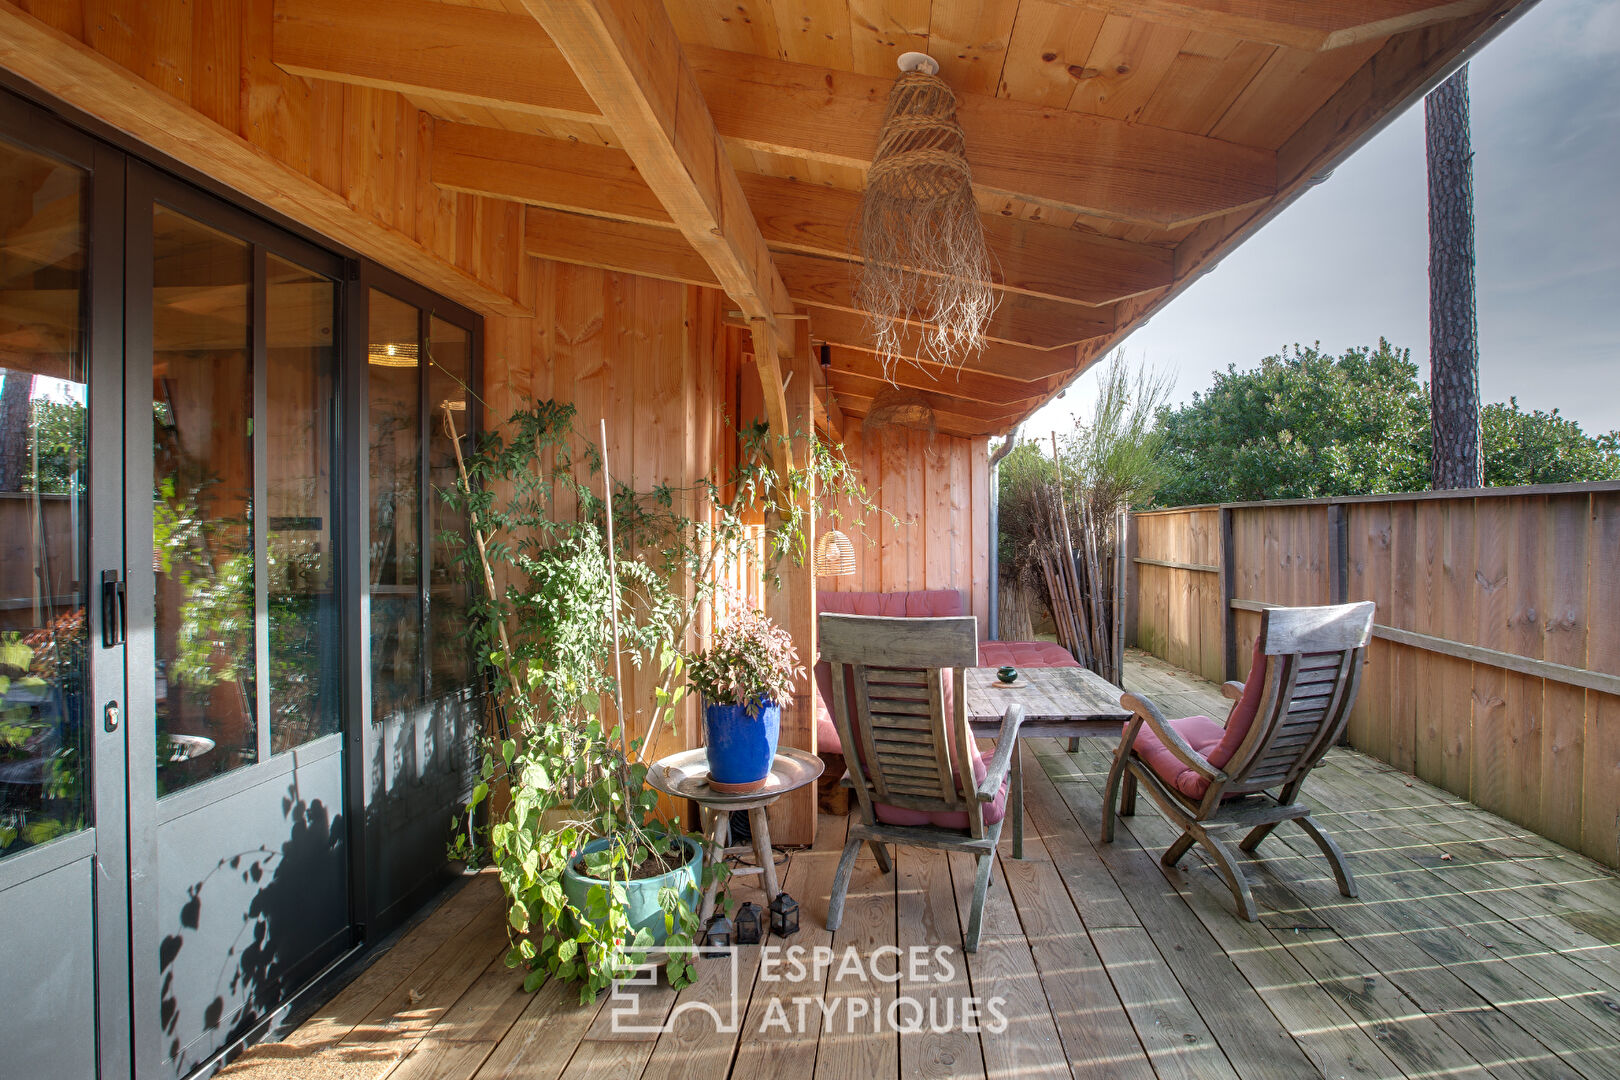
(905, 746)
(1313, 658)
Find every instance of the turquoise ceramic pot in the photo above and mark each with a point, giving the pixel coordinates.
(641, 896)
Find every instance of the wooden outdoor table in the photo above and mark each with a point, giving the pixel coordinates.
(1059, 702)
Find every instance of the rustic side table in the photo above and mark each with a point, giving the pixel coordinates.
(686, 776)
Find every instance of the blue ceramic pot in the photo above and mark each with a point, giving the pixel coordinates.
(641, 897)
(741, 746)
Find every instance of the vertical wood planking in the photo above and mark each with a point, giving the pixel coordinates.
(1531, 574)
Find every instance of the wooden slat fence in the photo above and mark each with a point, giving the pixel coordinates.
(1495, 666)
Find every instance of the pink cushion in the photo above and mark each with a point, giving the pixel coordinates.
(1214, 743)
(1201, 733)
(1028, 654)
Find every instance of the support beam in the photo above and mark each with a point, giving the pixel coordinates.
(649, 251)
(1031, 258)
(629, 60)
(1295, 24)
(954, 382)
(74, 73)
(1008, 361)
(1072, 161)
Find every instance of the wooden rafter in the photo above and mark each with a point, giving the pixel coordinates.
(629, 60)
(1071, 161)
(73, 72)
(848, 329)
(818, 282)
(1297, 24)
(1031, 258)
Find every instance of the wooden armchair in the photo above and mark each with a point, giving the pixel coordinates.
(1207, 778)
(899, 701)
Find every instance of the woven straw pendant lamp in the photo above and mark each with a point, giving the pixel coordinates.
(924, 258)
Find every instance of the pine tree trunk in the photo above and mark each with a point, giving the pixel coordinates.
(1453, 329)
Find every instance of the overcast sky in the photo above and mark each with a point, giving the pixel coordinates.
(1348, 261)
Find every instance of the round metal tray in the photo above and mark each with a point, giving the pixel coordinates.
(686, 776)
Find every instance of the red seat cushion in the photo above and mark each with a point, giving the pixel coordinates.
(1214, 743)
(1201, 733)
(1024, 654)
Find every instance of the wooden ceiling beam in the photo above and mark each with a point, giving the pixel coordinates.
(946, 421)
(1031, 258)
(629, 60)
(848, 329)
(649, 251)
(1071, 161)
(1311, 25)
(953, 382)
(860, 387)
(84, 79)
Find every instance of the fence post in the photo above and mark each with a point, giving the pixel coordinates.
(1228, 616)
(1338, 555)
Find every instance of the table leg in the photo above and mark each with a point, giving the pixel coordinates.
(1074, 744)
(1017, 800)
(716, 836)
(760, 826)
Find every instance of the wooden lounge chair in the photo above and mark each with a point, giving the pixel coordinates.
(899, 700)
(1207, 779)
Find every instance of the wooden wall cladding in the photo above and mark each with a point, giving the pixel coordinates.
(1497, 643)
(937, 487)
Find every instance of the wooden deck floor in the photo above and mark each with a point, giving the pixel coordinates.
(1475, 950)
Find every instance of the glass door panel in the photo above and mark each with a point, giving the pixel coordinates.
(449, 428)
(44, 385)
(305, 690)
(395, 405)
(202, 501)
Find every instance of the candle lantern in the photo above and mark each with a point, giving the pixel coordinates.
(718, 935)
(748, 924)
(784, 915)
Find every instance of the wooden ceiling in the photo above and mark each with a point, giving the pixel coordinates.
(1118, 147)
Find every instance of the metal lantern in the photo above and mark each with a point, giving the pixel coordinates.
(835, 555)
(748, 924)
(718, 935)
(784, 915)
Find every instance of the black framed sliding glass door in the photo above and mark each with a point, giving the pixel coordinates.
(64, 995)
(237, 784)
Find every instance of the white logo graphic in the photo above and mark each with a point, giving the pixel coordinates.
(713, 961)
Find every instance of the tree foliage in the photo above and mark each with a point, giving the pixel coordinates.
(1307, 424)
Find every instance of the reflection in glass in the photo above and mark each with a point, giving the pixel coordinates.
(44, 771)
(202, 525)
(393, 349)
(449, 396)
(303, 617)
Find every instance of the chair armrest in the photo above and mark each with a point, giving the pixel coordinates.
(1006, 747)
(1146, 711)
(1232, 689)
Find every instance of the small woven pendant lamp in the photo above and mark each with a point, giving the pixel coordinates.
(835, 555)
(921, 240)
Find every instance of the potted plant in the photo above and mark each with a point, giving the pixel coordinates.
(594, 880)
(743, 678)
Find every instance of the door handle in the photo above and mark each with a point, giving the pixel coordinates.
(110, 716)
(113, 595)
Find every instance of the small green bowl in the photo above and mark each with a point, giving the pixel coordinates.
(1007, 674)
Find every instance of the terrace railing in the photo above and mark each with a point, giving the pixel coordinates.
(1494, 670)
